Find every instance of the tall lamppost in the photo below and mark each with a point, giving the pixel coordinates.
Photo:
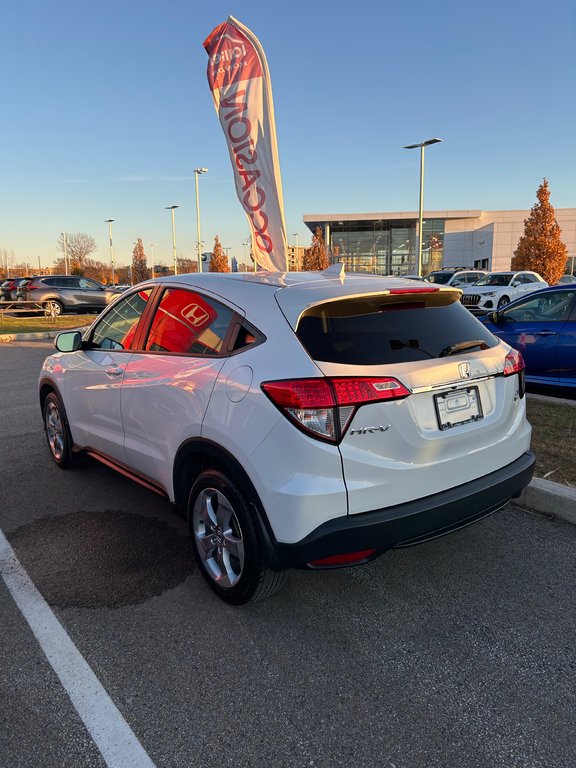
(65, 252)
(173, 208)
(226, 250)
(297, 235)
(246, 244)
(153, 245)
(422, 145)
(109, 222)
(199, 172)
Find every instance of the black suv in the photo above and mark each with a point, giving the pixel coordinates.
(68, 293)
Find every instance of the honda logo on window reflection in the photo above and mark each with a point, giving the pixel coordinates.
(464, 369)
(195, 315)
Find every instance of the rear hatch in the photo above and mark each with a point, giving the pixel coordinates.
(448, 405)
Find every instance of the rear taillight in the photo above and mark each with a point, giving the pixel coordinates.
(324, 407)
(514, 363)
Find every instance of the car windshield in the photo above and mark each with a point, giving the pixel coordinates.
(439, 277)
(500, 279)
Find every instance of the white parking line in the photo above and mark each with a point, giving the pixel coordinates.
(111, 733)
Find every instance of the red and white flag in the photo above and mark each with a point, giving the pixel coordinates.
(240, 83)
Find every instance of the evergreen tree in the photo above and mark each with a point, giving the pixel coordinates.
(218, 260)
(540, 248)
(139, 266)
(316, 257)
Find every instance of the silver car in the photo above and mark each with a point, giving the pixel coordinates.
(68, 293)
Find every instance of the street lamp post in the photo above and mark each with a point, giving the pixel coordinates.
(109, 222)
(199, 172)
(173, 208)
(65, 253)
(422, 145)
(297, 235)
(153, 245)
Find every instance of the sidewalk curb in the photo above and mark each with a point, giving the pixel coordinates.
(549, 498)
(7, 337)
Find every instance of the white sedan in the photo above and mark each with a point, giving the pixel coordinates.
(495, 290)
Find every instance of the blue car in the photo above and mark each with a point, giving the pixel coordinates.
(542, 326)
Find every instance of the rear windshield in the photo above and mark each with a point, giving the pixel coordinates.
(389, 333)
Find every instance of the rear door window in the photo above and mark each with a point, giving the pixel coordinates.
(190, 323)
(374, 332)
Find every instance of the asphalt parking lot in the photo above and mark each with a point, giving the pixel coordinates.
(459, 652)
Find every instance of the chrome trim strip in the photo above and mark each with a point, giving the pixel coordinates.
(458, 383)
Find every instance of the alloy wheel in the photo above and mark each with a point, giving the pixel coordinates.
(218, 537)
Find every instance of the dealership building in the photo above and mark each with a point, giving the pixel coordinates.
(387, 243)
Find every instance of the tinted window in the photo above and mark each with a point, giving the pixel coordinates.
(439, 277)
(396, 333)
(189, 323)
(550, 308)
(117, 327)
(92, 285)
(498, 280)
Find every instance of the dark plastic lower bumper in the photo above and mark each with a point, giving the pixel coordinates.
(412, 522)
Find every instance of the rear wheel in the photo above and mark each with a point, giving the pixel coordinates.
(53, 307)
(227, 545)
(57, 432)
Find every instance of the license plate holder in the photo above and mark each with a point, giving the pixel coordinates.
(457, 407)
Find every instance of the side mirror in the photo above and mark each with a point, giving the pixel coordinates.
(69, 341)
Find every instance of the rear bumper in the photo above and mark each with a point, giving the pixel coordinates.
(412, 522)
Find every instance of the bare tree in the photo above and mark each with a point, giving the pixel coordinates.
(78, 247)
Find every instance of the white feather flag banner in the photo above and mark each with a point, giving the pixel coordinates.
(240, 83)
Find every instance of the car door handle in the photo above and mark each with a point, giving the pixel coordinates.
(117, 371)
(546, 333)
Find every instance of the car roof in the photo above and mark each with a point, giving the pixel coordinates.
(294, 291)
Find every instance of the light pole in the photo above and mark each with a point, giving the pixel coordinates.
(297, 235)
(422, 145)
(65, 253)
(153, 245)
(109, 222)
(246, 244)
(173, 208)
(199, 172)
(226, 252)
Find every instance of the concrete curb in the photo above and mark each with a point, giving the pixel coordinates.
(549, 498)
(7, 337)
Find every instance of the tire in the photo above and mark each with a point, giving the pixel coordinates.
(57, 431)
(227, 544)
(503, 301)
(53, 305)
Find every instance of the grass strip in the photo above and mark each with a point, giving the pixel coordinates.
(553, 440)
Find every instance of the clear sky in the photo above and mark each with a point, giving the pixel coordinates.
(106, 111)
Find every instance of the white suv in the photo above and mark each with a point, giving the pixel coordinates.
(309, 420)
(495, 290)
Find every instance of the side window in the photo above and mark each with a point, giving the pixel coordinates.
(89, 284)
(117, 327)
(189, 323)
(553, 308)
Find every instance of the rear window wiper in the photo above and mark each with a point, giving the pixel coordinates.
(462, 346)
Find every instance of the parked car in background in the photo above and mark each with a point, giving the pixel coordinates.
(496, 289)
(542, 327)
(9, 289)
(309, 420)
(456, 276)
(567, 279)
(68, 293)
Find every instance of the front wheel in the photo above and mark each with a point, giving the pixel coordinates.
(227, 545)
(53, 308)
(57, 432)
(503, 301)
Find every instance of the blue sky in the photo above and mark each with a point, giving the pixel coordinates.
(106, 112)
